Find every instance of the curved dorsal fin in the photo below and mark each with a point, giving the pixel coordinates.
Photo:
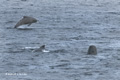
(42, 47)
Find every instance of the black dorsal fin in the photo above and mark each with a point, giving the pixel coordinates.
(42, 47)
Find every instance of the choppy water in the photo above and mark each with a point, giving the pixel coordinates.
(67, 27)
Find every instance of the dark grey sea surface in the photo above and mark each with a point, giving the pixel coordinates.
(67, 28)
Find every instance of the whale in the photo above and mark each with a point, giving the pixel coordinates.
(26, 20)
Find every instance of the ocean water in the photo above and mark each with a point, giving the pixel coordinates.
(67, 28)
